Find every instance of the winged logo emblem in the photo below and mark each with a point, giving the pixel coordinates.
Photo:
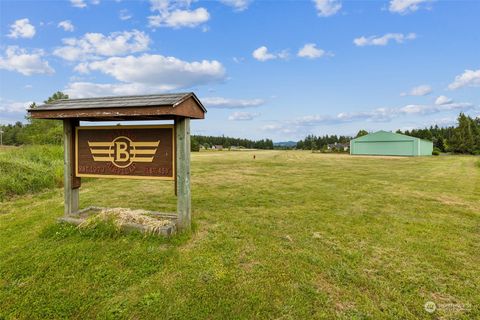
(122, 151)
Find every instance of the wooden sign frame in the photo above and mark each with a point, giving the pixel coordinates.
(172, 177)
(177, 107)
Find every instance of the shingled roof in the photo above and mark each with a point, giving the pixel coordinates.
(140, 107)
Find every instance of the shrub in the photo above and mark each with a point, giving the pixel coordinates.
(436, 152)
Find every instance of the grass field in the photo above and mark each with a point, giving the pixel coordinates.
(290, 235)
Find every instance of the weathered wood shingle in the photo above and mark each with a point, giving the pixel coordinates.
(168, 99)
(139, 107)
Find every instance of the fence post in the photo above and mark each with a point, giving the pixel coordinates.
(182, 139)
(70, 193)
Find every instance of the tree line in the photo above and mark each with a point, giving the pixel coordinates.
(198, 141)
(39, 131)
(35, 131)
(462, 138)
(312, 142)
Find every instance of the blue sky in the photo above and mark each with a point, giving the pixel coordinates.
(277, 69)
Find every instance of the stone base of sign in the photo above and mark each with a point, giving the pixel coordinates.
(167, 230)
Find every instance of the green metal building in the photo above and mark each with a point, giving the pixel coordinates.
(390, 144)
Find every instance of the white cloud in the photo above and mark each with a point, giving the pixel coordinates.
(376, 115)
(429, 109)
(284, 129)
(383, 40)
(242, 116)
(81, 3)
(180, 18)
(311, 51)
(405, 6)
(124, 14)
(146, 74)
(327, 8)
(66, 25)
(20, 60)
(469, 78)
(224, 103)
(82, 68)
(238, 5)
(271, 127)
(161, 5)
(176, 14)
(262, 54)
(78, 3)
(157, 69)
(13, 106)
(421, 90)
(238, 59)
(443, 100)
(22, 29)
(304, 124)
(283, 54)
(93, 45)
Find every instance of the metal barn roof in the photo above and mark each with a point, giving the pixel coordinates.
(386, 136)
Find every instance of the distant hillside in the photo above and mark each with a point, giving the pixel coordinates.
(288, 144)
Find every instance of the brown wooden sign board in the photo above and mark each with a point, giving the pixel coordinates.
(134, 152)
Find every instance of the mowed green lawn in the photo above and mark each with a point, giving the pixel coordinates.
(289, 235)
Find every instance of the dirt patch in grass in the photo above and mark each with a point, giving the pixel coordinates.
(121, 216)
(122, 219)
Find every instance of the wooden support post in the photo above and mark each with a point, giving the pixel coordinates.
(182, 139)
(70, 194)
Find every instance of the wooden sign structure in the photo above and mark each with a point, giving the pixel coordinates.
(136, 152)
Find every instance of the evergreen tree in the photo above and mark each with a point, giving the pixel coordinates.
(56, 96)
(361, 133)
(463, 140)
(41, 131)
